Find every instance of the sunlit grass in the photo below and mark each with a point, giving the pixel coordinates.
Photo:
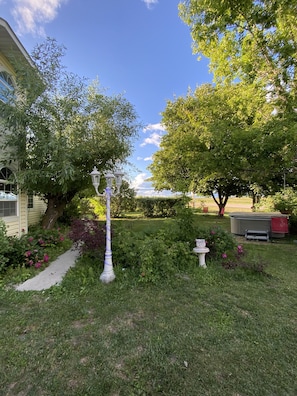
(205, 332)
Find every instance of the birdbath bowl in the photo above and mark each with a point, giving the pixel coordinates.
(201, 251)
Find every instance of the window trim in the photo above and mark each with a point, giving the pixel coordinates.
(7, 85)
(12, 210)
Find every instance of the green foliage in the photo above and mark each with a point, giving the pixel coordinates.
(247, 40)
(32, 249)
(156, 256)
(253, 42)
(126, 245)
(283, 201)
(220, 242)
(72, 128)
(161, 258)
(4, 245)
(184, 229)
(209, 141)
(158, 207)
(123, 202)
(83, 208)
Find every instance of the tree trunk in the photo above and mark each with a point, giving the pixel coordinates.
(221, 202)
(55, 209)
(256, 200)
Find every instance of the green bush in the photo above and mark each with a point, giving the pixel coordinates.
(31, 250)
(159, 207)
(153, 257)
(158, 255)
(89, 208)
(183, 229)
(4, 245)
(284, 201)
(220, 242)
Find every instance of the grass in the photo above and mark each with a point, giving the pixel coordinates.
(205, 332)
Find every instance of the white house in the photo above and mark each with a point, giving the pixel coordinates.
(17, 209)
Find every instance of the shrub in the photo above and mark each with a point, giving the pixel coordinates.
(238, 260)
(87, 208)
(4, 246)
(31, 250)
(153, 257)
(126, 246)
(183, 229)
(284, 201)
(88, 236)
(159, 207)
(220, 242)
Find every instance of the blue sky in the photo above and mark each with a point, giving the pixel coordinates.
(139, 48)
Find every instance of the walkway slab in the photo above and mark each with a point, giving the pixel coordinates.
(53, 274)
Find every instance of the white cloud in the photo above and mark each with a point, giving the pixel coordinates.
(155, 139)
(31, 15)
(154, 127)
(156, 135)
(144, 188)
(150, 3)
(138, 181)
(144, 159)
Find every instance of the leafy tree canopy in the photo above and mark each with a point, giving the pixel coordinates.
(61, 127)
(250, 40)
(221, 139)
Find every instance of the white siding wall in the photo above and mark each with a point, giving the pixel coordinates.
(17, 225)
(34, 214)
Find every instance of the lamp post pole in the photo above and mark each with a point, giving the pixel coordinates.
(108, 274)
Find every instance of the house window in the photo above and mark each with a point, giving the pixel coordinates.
(30, 201)
(6, 86)
(8, 197)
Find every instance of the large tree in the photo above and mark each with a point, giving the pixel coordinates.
(215, 142)
(250, 40)
(60, 127)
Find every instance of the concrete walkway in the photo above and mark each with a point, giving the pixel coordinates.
(53, 274)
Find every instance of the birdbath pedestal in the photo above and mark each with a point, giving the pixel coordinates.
(201, 251)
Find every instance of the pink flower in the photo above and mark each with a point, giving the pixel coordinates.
(224, 255)
(30, 239)
(38, 264)
(61, 238)
(31, 263)
(28, 253)
(45, 258)
(212, 232)
(239, 249)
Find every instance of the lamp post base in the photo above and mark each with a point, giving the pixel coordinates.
(107, 276)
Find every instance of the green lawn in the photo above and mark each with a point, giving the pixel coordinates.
(205, 332)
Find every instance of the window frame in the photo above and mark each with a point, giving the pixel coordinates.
(8, 204)
(7, 86)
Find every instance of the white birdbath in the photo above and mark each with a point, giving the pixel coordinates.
(201, 250)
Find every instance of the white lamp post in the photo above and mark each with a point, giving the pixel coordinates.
(108, 272)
